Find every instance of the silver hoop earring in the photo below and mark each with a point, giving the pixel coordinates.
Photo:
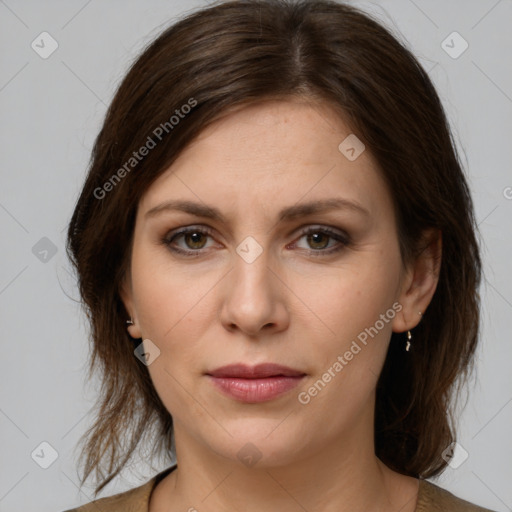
(129, 322)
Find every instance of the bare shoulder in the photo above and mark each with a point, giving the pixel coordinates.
(432, 498)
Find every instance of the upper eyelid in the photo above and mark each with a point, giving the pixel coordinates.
(302, 231)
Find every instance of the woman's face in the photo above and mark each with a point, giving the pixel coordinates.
(250, 286)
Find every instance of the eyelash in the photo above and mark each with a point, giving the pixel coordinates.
(342, 239)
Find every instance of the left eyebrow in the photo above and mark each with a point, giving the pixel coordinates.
(323, 205)
(287, 214)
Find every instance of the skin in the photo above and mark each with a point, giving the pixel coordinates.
(288, 306)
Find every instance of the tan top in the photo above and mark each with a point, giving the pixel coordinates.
(431, 498)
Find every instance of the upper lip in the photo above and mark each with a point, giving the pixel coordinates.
(259, 371)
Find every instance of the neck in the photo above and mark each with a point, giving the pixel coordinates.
(342, 476)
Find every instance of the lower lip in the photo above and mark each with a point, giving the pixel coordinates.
(255, 390)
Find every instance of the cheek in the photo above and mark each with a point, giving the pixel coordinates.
(344, 300)
(168, 296)
(358, 310)
(175, 311)
(172, 309)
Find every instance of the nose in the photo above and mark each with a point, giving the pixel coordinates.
(254, 298)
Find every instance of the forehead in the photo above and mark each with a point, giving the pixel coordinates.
(270, 154)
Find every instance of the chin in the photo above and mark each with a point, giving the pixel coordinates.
(257, 443)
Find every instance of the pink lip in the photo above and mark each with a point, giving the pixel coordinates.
(257, 383)
(259, 371)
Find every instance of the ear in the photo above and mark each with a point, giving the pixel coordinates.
(420, 281)
(126, 294)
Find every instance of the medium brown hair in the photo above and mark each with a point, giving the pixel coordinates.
(240, 52)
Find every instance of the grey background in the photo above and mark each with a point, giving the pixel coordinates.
(51, 112)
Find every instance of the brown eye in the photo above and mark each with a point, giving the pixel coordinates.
(318, 240)
(195, 239)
